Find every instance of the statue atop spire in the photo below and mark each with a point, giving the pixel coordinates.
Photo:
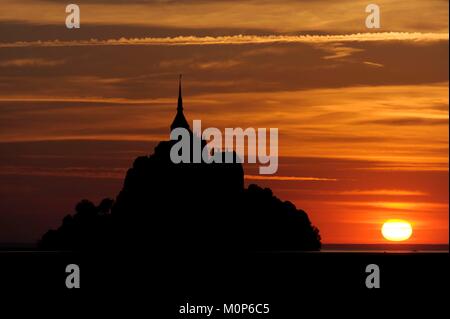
(180, 120)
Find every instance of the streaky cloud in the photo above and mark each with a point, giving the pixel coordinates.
(289, 178)
(384, 192)
(239, 39)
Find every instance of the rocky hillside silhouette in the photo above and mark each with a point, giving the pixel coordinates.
(185, 207)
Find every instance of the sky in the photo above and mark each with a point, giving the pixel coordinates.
(362, 113)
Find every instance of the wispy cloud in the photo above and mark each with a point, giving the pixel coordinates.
(424, 206)
(383, 192)
(338, 51)
(31, 63)
(240, 39)
(80, 172)
(377, 65)
(408, 121)
(289, 178)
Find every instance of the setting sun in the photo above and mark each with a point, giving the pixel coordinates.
(396, 230)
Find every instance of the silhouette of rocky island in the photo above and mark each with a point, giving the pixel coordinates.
(185, 207)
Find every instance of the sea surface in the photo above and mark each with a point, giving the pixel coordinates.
(385, 248)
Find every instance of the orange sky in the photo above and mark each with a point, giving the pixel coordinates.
(362, 114)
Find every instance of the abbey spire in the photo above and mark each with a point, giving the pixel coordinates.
(179, 120)
(180, 97)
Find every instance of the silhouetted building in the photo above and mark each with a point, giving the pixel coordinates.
(185, 207)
